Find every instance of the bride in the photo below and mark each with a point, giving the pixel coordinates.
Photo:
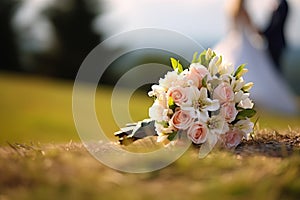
(244, 45)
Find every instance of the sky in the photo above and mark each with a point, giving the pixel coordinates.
(203, 20)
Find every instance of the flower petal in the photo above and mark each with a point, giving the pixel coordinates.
(208, 145)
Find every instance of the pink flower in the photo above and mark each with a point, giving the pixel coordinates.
(197, 73)
(178, 95)
(228, 110)
(223, 93)
(182, 119)
(197, 133)
(232, 138)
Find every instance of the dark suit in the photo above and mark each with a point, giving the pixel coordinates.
(275, 32)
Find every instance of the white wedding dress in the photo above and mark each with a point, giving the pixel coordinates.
(270, 91)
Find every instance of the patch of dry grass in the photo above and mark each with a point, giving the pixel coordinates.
(38, 110)
(68, 171)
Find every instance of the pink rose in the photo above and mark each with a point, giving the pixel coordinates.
(197, 73)
(178, 95)
(229, 111)
(223, 93)
(197, 133)
(182, 119)
(232, 138)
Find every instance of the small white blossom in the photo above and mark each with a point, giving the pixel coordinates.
(209, 54)
(246, 104)
(171, 79)
(248, 86)
(245, 125)
(213, 66)
(157, 112)
(238, 84)
(217, 125)
(240, 96)
(226, 68)
(200, 103)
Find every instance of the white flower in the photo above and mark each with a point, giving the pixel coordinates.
(172, 79)
(157, 112)
(157, 90)
(246, 103)
(217, 125)
(226, 78)
(240, 95)
(206, 147)
(248, 86)
(244, 71)
(226, 68)
(207, 104)
(209, 54)
(213, 66)
(200, 104)
(238, 84)
(244, 125)
(162, 130)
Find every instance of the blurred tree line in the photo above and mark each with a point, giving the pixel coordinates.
(74, 38)
(8, 48)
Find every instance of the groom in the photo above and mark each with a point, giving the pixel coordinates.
(275, 32)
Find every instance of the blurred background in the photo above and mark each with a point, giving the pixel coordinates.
(51, 38)
(43, 43)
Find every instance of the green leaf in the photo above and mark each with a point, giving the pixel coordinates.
(195, 60)
(176, 65)
(172, 135)
(202, 58)
(246, 113)
(180, 69)
(239, 70)
(163, 123)
(204, 81)
(247, 86)
(219, 62)
(171, 103)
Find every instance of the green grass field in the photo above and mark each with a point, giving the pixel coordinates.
(41, 156)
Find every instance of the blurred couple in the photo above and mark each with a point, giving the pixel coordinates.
(244, 43)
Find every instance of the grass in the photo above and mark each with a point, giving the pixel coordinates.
(41, 156)
(53, 172)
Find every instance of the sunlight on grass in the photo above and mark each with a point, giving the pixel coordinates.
(40, 109)
(68, 172)
(35, 109)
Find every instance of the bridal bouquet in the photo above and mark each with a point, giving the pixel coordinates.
(208, 102)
